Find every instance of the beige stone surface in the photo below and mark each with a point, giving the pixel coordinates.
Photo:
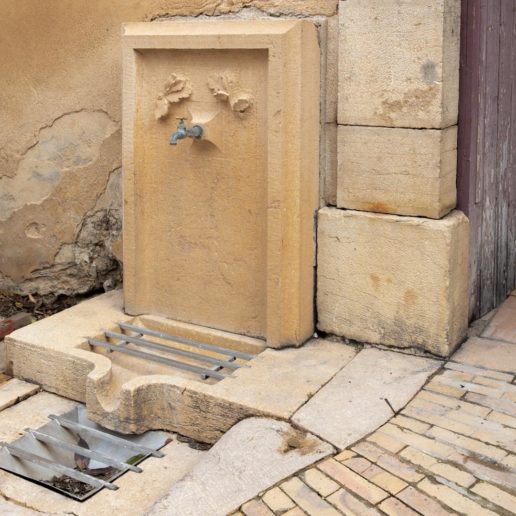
(439, 455)
(399, 63)
(329, 42)
(135, 496)
(53, 351)
(397, 171)
(60, 83)
(319, 482)
(232, 241)
(12, 509)
(329, 150)
(277, 500)
(348, 408)
(501, 326)
(205, 411)
(15, 390)
(256, 508)
(487, 353)
(398, 281)
(307, 499)
(31, 413)
(254, 455)
(131, 395)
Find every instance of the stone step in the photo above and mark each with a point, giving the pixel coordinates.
(363, 395)
(14, 390)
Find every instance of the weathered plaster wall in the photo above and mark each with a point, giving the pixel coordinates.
(60, 84)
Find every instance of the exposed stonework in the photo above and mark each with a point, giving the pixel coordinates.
(358, 407)
(399, 63)
(398, 171)
(218, 7)
(64, 206)
(398, 281)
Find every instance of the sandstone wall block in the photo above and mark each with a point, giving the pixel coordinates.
(328, 163)
(329, 43)
(398, 171)
(397, 281)
(399, 62)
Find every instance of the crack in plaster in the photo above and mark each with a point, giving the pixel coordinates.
(88, 261)
(71, 141)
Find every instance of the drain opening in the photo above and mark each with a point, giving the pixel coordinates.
(195, 359)
(76, 457)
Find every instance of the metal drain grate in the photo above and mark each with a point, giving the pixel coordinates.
(134, 335)
(77, 457)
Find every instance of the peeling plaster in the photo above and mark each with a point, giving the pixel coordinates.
(62, 235)
(72, 141)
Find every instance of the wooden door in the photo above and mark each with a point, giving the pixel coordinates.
(487, 147)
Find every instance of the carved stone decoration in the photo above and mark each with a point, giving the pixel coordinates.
(219, 85)
(176, 88)
(226, 87)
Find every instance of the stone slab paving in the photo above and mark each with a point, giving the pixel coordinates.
(364, 394)
(450, 450)
(502, 325)
(415, 436)
(31, 413)
(14, 390)
(487, 353)
(255, 454)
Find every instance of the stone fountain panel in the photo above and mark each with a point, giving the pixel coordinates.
(218, 236)
(219, 231)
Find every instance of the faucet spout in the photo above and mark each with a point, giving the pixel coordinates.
(182, 132)
(179, 134)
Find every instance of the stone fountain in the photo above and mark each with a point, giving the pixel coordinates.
(220, 156)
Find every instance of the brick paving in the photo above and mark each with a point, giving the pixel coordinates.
(451, 450)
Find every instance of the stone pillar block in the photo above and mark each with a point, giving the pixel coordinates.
(399, 63)
(397, 281)
(398, 171)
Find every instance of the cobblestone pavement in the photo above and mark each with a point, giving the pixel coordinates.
(451, 450)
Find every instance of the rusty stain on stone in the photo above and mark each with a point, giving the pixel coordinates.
(297, 440)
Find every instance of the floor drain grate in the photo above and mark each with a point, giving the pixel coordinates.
(193, 359)
(77, 457)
